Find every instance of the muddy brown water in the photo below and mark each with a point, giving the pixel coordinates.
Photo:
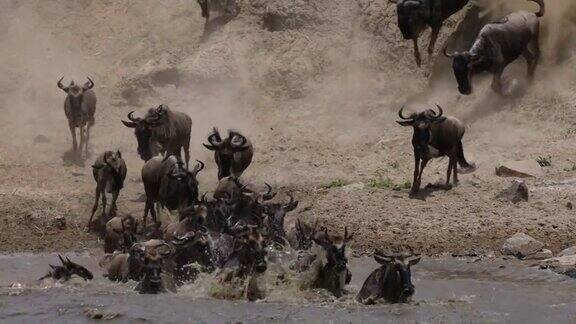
(448, 290)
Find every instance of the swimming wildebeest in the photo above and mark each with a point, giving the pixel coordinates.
(162, 130)
(120, 234)
(109, 171)
(434, 136)
(392, 281)
(79, 107)
(168, 182)
(414, 16)
(192, 218)
(127, 265)
(335, 274)
(232, 154)
(193, 247)
(66, 270)
(300, 237)
(497, 45)
(273, 216)
(248, 252)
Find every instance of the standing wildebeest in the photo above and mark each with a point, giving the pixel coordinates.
(335, 274)
(415, 15)
(109, 171)
(435, 136)
(168, 182)
(66, 270)
(392, 281)
(233, 154)
(497, 45)
(162, 130)
(79, 107)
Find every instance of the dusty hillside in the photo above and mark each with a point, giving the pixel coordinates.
(315, 84)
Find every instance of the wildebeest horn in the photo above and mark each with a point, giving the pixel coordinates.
(132, 117)
(440, 111)
(268, 194)
(233, 135)
(401, 115)
(61, 259)
(199, 167)
(445, 51)
(215, 138)
(61, 86)
(88, 85)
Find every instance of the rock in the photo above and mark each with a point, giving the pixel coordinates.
(517, 192)
(521, 245)
(95, 313)
(569, 205)
(568, 252)
(520, 169)
(561, 261)
(540, 255)
(353, 187)
(41, 139)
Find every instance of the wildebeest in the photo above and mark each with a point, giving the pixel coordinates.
(168, 182)
(152, 281)
(415, 15)
(392, 281)
(79, 107)
(248, 252)
(225, 11)
(66, 270)
(300, 237)
(193, 247)
(497, 45)
(334, 275)
(127, 265)
(162, 130)
(192, 218)
(232, 154)
(273, 216)
(434, 136)
(109, 171)
(120, 234)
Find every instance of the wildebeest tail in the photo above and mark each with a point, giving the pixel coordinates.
(461, 159)
(542, 7)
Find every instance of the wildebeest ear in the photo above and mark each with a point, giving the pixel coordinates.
(439, 120)
(382, 259)
(97, 166)
(210, 147)
(414, 261)
(129, 124)
(118, 154)
(405, 122)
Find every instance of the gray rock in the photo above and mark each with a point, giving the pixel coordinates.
(517, 192)
(540, 255)
(567, 252)
(521, 245)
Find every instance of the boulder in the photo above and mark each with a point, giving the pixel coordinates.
(517, 192)
(521, 245)
(568, 252)
(540, 255)
(520, 169)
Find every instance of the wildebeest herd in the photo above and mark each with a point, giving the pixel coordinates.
(233, 230)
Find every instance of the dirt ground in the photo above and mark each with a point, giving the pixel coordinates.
(318, 96)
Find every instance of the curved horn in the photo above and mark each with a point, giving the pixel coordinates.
(215, 138)
(401, 115)
(199, 167)
(61, 86)
(232, 135)
(440, 111)
(132, 118)
(268, 194)
(445, 51)
(89, 85)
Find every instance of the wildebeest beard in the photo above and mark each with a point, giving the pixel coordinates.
(422, 138)
(144, 135)
(76, 108)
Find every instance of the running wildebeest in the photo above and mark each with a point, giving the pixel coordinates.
(224, 10)
(168, 182)
(232, 154)
(392, 281)
(66, 270)
(162, 130)
(79, 107)
(497, 45)
(120, 234)
(109, 171)
(434, 136)
(415, 15)
(335, 274)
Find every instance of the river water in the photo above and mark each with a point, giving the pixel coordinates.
(448, 290)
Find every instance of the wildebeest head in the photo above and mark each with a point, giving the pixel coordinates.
(274, 215)
(194, 245)
(421, 123)
(335, 249)
(143, 129)
(304, 235)
(464, 65)
(401, 265)
(179, 187)
(226, 148)
(218, 214)
(411, 14)
(152, 281)
(75, 92)
(67, 269)
(249, 251)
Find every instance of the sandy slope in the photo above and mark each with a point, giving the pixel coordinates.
(319, 99)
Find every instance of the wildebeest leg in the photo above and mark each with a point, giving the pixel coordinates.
(532, 56)
(149, 205)
(497, 83)
(104, 202)
(73, 132)
(417, 52)
(113, 203)
(96, 200)
(82, 139)
(422, 166)
(187, 151)
(455, 170)
(415, 184)
(433, 39)
(449, 172)
(87, 138)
